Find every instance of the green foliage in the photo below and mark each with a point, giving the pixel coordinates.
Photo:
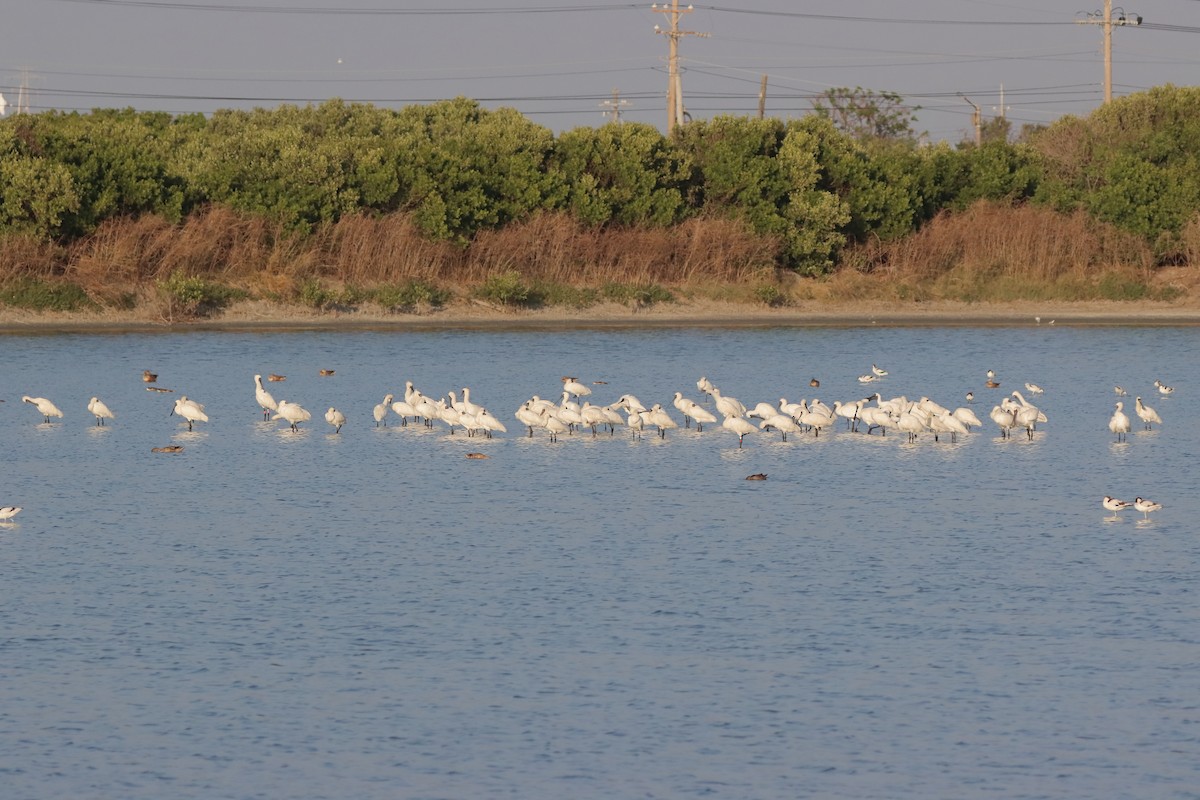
(623, 173)
(191, 296)
(507, 288)
(37, 295)
(558, 294)
(770, 295)
(865, 115)
(409, 295)
(640, 295)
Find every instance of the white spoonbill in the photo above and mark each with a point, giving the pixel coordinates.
(967, 417)
(8, 512)
(659, 418)
(704, 385)
(99, 410)
(189, 410)
(292, 413)
(1146, 506)
(528, 417)
(739, 426)
(782, 423)
(1007, 419)
(729, 406)
(1145, 413)
(265, 401)
(335, 418)
(44, 407)
(696, 412)
(381, 410)
(947, 423)
(488, 423)
(1118, 423)
(576, 388)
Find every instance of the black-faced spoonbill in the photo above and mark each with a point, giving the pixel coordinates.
(265, 401)
(1145, 413)
(1118, 423)
(189, 410)
(100, 411)
(44, 406)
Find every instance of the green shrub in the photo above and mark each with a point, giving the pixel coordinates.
(644, 295)
(770, 295)
(313, 295)
(507, 288)
(39, 295)
(194, 296)
(409, 295)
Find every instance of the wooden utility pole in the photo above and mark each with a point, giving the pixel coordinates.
(976, 120)
(614, 106)
(674, 85)
(1106, 20)
(762, 98)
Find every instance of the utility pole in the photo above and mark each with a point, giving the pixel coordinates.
(762, 98)
(674, 85)
(23, 93)
(976, 120)
(1106, 19)
(614, 106)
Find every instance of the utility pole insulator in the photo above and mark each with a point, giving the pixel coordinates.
(614, 106)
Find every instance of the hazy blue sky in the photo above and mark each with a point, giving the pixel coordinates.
(558, 61)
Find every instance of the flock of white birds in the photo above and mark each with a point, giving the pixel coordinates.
(913, 418)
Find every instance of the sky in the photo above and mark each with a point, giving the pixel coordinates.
(560, 61)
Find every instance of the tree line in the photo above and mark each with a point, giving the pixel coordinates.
(849, 173)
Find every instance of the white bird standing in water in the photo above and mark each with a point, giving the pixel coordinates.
(576, 388)
(1114, 505)
(739, 426)
(1146, 506)
(292, 413)
(8, 512)
(189, 410)
(335, 418)
(381, 410)
(1145, 413)
(265, 401)
(1118, 423)
(99, 410)
(44, 406)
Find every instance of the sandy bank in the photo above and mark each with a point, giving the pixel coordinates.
(259, 315)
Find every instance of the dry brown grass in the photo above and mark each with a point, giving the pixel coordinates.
(988, 252)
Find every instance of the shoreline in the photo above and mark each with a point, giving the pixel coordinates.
(260, 316)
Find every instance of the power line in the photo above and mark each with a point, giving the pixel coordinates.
(333, 11)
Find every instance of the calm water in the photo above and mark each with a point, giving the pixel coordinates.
(372, 615)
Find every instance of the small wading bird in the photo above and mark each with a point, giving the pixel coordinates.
(1163, 388)
(8, 512)
(44, 407)
(879, 372)
(1114, 505)
(1146, 506)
